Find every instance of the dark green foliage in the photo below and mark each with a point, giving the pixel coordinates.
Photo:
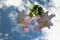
(35, 7)
(40, 8)
(36, 10)
(40, 11)
(30, 15)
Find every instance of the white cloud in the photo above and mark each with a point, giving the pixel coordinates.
(6, 34)
(12, 17)
(54, 32)
(1, 39)
(13, 2)
(1, 34)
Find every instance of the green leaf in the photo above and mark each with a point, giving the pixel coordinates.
(35, 7)
(36, 10)
(30, 15)
(35, 13)
(40, 11)
(40, 8)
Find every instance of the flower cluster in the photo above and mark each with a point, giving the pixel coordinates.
(40, 20)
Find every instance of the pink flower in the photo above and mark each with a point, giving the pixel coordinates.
(25, 29)
(38, 28)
